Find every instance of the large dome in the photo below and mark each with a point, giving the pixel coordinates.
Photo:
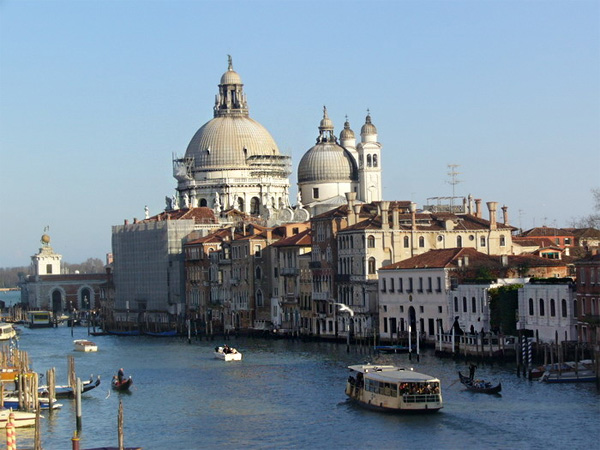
(228, 141)
(327, 161)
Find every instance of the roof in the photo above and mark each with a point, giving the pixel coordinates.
(301, 239)
(392, 374)
(547, 231)
(200, 214)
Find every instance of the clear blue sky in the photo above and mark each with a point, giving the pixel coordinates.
(96, 97)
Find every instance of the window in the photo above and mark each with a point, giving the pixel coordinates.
(464, 304)
(371, 241)
(563, 305)
(258, 273)
(259, 298)
(439, 284)
(575, 308)
(542, 312)
(455, 304)
(410, 285)
(583, 307)
(421, 284)
(429, 284)
(531, 307)
(406, 242)
(391, 285)
(315, 192)
(371, 266)
(552, 308)
(383, 283)
(459, 241)
(369, 164)
(502, 241)
(439, 309)
(400, 287)
(473, 304)
(48, 269)
(421, 241)
(482, 241)
(374, 160)
(567, 241)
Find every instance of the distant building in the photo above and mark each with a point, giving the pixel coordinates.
(587, 305)
(48, 288)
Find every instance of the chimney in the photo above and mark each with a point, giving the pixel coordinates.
(505, 215)
(357, 209)
(413, 216)
(135, 220)
(126, 222)
(351, 198)
(470, 204)
(478, 208)
(269, 234)
(492, 207)
(385, 206)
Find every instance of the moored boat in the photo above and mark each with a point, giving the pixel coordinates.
(394, 389)
(477, 385)
(66, 391)
(83, 345)
(12, 402)
(20, 418)
(570, 372)
(227, 353)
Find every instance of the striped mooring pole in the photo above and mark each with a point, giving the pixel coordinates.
(11, 439)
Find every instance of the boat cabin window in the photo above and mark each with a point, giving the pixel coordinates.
(378, 387)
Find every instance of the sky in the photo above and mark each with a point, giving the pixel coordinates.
(96, 97)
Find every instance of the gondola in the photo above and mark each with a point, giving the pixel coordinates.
(482, 386)
(123, 385)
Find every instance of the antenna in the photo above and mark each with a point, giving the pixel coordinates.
(453, 181)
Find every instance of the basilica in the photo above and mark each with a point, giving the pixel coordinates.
(233, 162)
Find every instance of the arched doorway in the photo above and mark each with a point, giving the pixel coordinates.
(57, 301)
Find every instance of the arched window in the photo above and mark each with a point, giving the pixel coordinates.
(421, 241)
(369, 163)
(240, 204)
(258, 273)
(371, 266)
(374, 160)
(459, 241)
(552, 308)
(259, 298)
(563, 304)
(473, 304)
(203, 202)
(371, 241)
(254, 205)
(455, 304)
(406, 242)
(502, 241)
(531, 307)
(542, 312)
(464, 304)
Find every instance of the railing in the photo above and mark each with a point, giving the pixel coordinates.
(320, 295)
(293, 271)
(421, 398)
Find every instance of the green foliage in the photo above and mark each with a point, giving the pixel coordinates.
(504, 304)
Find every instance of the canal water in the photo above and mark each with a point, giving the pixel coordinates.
(290, 394)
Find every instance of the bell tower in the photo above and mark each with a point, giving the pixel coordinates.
(369, 163)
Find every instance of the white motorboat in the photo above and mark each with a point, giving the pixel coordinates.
(7, 331)
(227, 353)
(390, 388)
(83, 345)
(20, 418)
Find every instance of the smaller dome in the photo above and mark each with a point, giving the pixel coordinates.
(231, 77)
(45, 239)
(368, 127)
(326, 123)
(347, 133)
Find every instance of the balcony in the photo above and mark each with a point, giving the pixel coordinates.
(314, 264)
(290, 271)
(342, 278)
(320, 295)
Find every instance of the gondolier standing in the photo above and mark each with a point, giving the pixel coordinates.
(472, 368)
(121, 375)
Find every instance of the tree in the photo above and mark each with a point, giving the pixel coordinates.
(593, 220)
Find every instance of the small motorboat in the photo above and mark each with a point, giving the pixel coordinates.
(12, 402)
(227, 353)
(477, 385)
(122, 385)
(20, 418)
(83, 345)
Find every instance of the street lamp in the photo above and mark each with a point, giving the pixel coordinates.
(346, 308)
